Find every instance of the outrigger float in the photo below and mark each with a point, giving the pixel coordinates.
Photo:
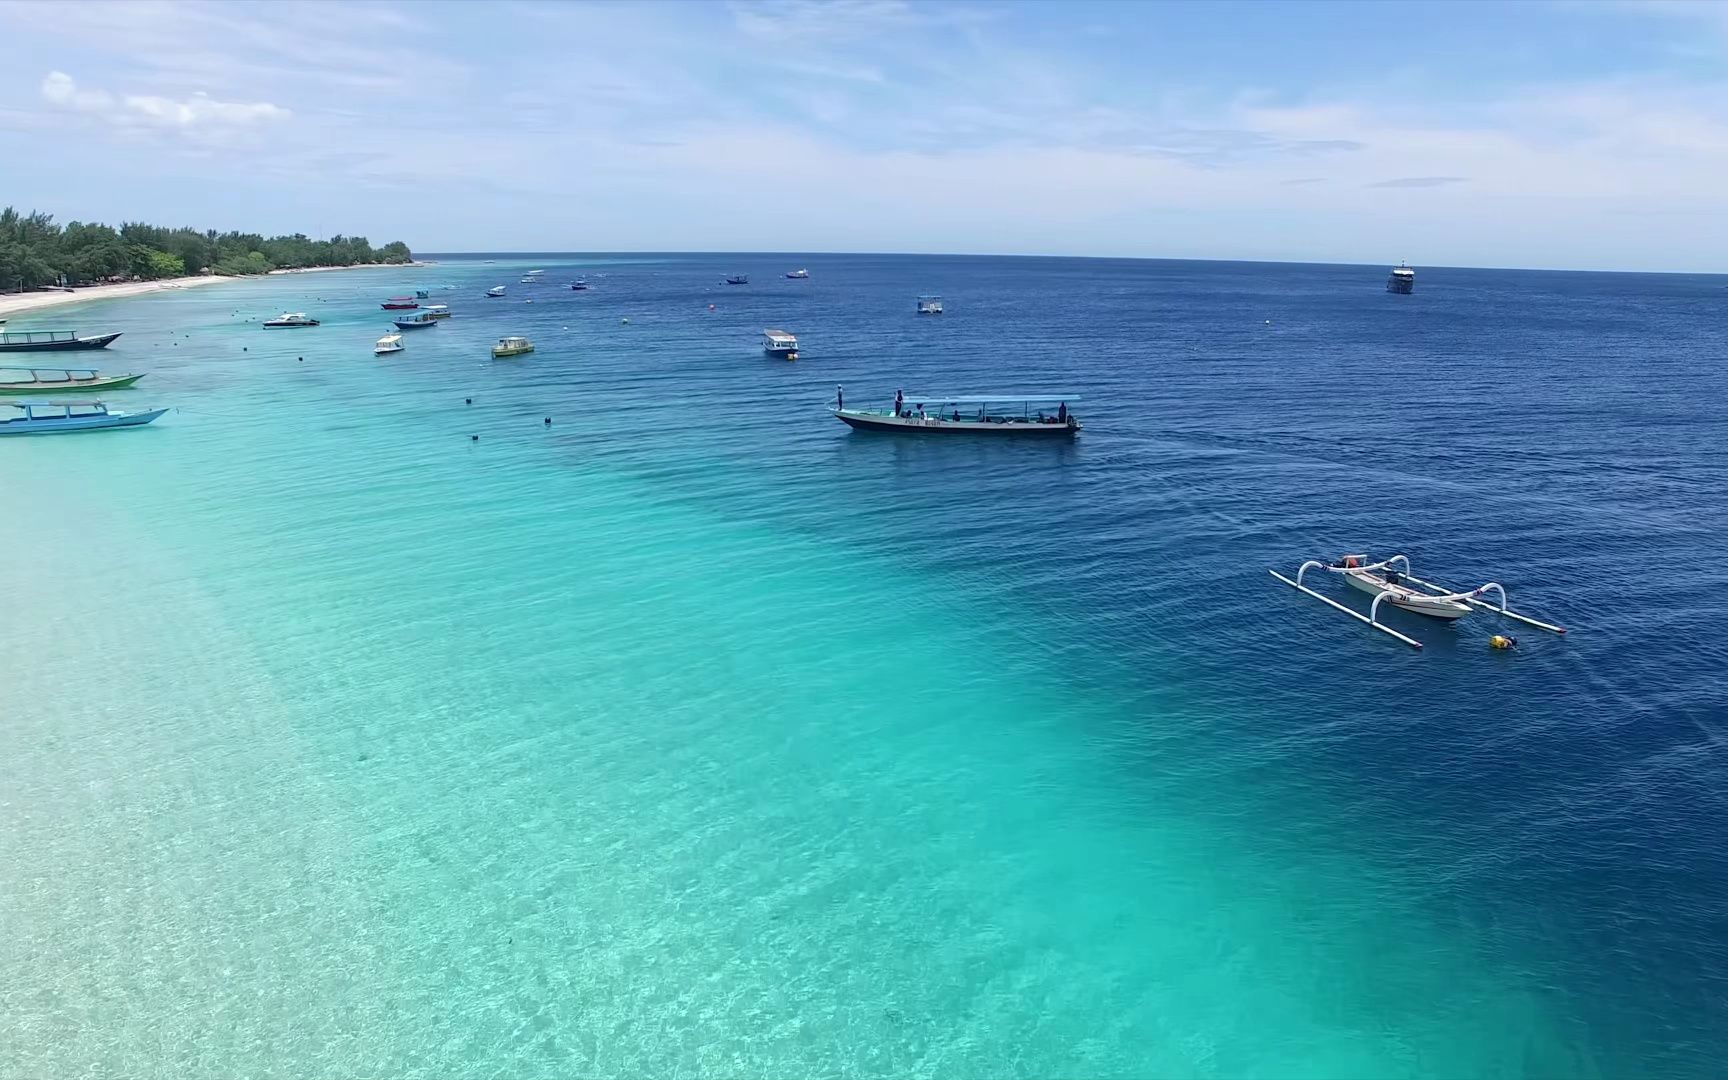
(1400, 589)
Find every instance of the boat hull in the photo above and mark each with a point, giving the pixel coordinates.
(934, 426)
(414, 324)
(289, 325)
(100, 341)
(1409, 600)
(114, 382)
(69, 425)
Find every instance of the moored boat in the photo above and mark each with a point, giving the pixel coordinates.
(60, 380)
(389, 343)
(495, 291)
(421, 294)
(52, 341)
(415, 322)
(290, 319)
(780, 343)
(1388, 585)
(798, 274)
(437, 311)
(400, 303)
(511, 346)
(579, 285)
(929, 305)
(997, 414)
(56, 417)
(738, 279)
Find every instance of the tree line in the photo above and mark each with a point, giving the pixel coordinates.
(35, 251)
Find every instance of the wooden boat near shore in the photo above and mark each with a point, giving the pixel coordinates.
(58, 417)
(60, 380)
(52, 341)
(1043, 415)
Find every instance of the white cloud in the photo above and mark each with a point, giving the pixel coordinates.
(200, 111)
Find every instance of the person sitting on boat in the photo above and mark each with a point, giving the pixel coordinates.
(1393, 577)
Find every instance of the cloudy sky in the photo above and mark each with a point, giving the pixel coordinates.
(1587, 135)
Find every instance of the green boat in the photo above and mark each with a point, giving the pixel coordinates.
(59, 380)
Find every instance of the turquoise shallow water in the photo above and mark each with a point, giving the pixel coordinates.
(695, 736)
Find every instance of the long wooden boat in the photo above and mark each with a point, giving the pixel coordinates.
(400, 303)
(415, 322)
(60, 380)
(52, 341)
(57, 417)
(1044, 415)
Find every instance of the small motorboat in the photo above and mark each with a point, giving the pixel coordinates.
(421, 294)
(511, 346)
(929, 305)
(400, 303)
(290, 319)
(579, 285)
(738, 279)
(780, 343)
(421, 321)
(59, 380)
(1388, 585)
(495, 291)
(799, 273)
(55, 417)
(52, 341)
(389, 343)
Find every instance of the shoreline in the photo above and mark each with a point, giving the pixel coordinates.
(23, 303)
(14, 303)
(351, 266)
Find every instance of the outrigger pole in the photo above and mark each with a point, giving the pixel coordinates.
(1357, 615)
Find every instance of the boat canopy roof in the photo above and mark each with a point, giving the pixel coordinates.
(39, 404)
(777, 333)
(68, 372)
(988, 399)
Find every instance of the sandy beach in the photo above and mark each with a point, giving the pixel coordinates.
(14, 303)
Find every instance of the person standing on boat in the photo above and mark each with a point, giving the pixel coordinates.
(839, 398)
(899, 401)
(1062, 413)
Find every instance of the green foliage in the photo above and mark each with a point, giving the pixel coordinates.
(35, 251)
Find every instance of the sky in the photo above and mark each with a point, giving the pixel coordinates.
(1543, 134)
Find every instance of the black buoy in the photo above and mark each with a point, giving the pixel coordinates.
(467, 401)
(244, 349)
(302, 359)
(548, 421)
(473, 438)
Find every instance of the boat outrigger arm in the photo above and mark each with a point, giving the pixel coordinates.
(1439, 595)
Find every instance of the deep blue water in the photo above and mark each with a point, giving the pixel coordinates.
(1079, 785)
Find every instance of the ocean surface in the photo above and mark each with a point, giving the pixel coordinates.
(695, 735)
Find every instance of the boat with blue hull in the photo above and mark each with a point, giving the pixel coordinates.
(61, 417)
(421, 321)
(52, 341)
(1042, 415)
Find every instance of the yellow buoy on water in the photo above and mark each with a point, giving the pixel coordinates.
(1501, 641)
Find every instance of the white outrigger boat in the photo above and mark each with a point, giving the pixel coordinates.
(1387, 584)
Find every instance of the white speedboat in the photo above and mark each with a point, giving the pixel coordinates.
(495, 291)
(290, 319)
(389, 343)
